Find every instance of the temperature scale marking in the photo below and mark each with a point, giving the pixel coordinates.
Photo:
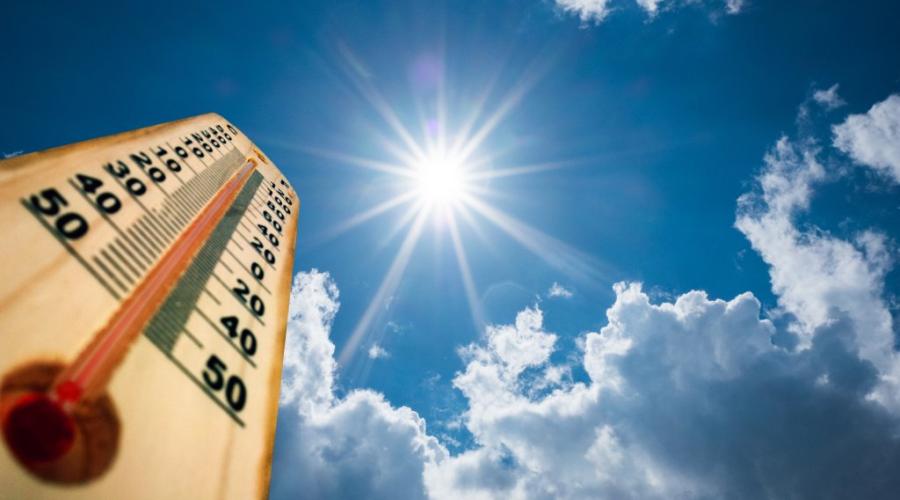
(168, 324)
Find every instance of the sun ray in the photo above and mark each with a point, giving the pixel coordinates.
(398, 226)
(424, 128)
(468, 145)
(405, 157)
(520, 170)
(380, 105)
(508, 104)
(559, 255)
(385, 290)
(364, 216)
(441, 119)
(477, 109)
(475, 189)
(465, 272)
(358, 161)
(466, 214)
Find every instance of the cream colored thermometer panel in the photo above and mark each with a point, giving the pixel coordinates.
(143, 304)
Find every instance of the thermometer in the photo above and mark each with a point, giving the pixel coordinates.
(143, 307)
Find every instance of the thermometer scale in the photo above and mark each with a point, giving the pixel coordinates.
(142, 311)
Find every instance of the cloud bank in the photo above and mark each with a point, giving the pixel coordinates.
(683, 399)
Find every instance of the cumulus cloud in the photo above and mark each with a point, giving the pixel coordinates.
(358, 446)
(308, 373)
(587, 10)
(376, 351)
(687, 399)
(828, 98)
(873, 138)
(557, 290)
(683, 399)
(819, 278)
(510, 350)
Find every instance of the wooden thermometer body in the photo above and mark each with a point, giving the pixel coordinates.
(143, 306)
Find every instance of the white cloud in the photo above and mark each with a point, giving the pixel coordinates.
(684, 399)
(586, 10)
(596, 11)
(509, 351)
(557, 290)
(376, 351)
(829, 98)
(309, 365)
(358, 446)
(687, 399)
(361, 447)
(575, 442)
(818, 278)
(873, 138)
(650, 6)
(734, 6)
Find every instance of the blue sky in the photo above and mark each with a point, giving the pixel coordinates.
(656, 118)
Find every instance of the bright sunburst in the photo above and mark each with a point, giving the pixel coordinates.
(444, 174)
(440, 179)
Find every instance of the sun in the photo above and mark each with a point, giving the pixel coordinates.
(440, 179)
(444, 171)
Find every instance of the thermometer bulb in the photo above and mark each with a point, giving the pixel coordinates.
(38, 430)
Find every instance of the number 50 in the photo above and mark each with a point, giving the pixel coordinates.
(235, 390)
